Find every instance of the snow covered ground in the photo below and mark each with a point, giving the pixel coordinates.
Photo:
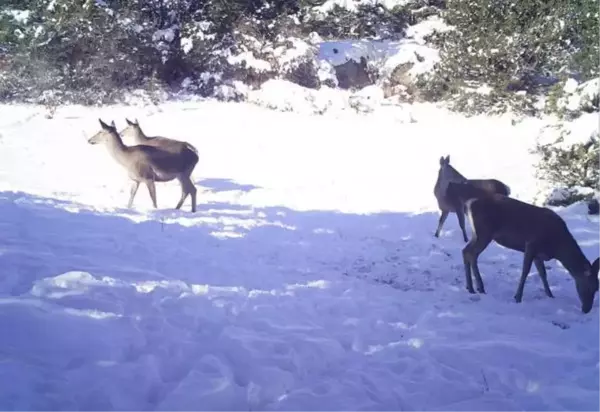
(309, 279)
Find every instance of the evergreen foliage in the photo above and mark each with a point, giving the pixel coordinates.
(572, 166)
(92, 51)
(515, 46)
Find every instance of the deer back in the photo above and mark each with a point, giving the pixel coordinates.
(458, 194)
(490, 186)
(513, 224)
(188, 153)
(150, 161)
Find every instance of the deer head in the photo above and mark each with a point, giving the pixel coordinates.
(133, 130)
(587, 286)
(104, 134)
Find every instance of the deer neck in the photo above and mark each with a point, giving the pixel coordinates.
(117, 149)
(447, 176)
(140, 137)
(572, 258)
(452, 175)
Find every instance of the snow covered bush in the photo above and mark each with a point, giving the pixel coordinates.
(94, 51)
(568, 99)
(514, 47)
(86, 53)
(569, 150)
(296, 61)
(472, 101)
(367, 99)
(569, 156)
(565, 196)
(583, 23)
(253, 60)
(283, 95)
(367, 21)
(97, 51)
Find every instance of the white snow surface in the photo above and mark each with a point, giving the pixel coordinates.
(20, 16)
(308, 279)
(352, 5)
(582, 96)
(247, 58)
(567, 134)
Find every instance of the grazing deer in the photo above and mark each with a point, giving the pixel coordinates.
(144, 164)
(187, 154)
(449, 174)
(538, 232)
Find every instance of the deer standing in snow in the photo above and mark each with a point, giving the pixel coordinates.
(448, 174)
(187, 154)
(538, 232)
(144, 164)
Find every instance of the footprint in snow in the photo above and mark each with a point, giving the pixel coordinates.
(75, 363)
(560, 324)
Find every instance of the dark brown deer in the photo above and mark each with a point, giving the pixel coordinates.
(144, 164)
(538, 232)
(185, 152)
(449, 174)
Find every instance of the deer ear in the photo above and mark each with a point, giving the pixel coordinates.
(137, 122)
(596, 267)
(442, 160)
(112, 124)
(129, 122)
(104, 125)
(448, 159)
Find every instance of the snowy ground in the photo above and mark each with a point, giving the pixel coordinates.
(309, 279)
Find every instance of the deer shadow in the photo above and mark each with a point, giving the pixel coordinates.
(217, 185)
(397, 249)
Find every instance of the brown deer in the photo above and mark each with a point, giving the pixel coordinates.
(448, 174)
(185, 152)
(144, 164)
(538, 232)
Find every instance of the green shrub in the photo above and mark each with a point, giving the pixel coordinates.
(576, 165)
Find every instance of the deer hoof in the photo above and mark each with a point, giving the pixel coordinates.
(470, 290)
(518, 299)
(481, 290)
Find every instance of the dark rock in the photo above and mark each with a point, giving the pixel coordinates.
(593, 207)
(353, 75)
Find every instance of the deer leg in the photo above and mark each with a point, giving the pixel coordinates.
(443, 217)
(192, 191)
(181, 200)
(187, 187)
(134, 188)
(467, 262)
(184, 191)
(460, 214)
(527, 261)
(152, 191)
(471, 253)
(539, 264)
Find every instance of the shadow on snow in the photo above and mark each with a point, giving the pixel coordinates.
(223, 243)
(136, 280)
